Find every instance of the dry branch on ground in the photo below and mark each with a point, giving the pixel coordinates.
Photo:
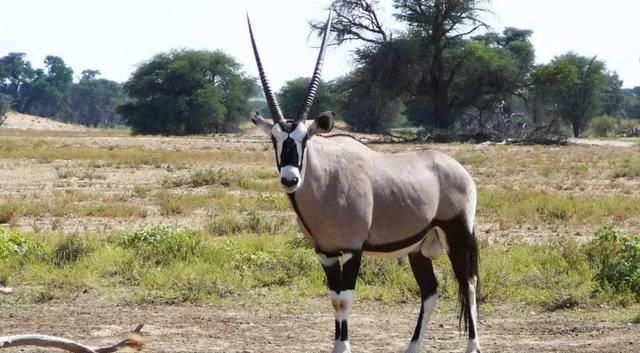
(133, 342)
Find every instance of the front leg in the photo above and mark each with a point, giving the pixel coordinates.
(342, 272)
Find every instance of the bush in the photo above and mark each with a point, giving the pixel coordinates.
(162, 245)
(628, 127)
(603, 126)
(616, 257)
(12, 244)
(70, 249)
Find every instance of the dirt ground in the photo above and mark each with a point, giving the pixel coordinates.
(374, 328)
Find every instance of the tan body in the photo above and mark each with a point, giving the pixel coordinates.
(351, 200)
(351, 195)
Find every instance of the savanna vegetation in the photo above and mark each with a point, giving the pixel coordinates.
(202, 220)
(442, 72)
(102, 216)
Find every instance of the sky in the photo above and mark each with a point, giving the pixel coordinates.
(116, 36)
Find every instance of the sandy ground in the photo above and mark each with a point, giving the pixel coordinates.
(596, 142)
(29, 122)
(374, 328)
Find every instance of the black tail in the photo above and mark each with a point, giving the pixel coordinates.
(471, 261)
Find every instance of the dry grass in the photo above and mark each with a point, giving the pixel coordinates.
(92, 178)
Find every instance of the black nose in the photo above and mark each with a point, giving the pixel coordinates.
(289, 182)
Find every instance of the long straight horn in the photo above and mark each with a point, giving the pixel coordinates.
(315, 79)
(274, 108)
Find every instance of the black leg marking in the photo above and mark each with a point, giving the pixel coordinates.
(337, 330)
(334, 274)
(423, 272)
(416, 332)
(350, 271)
(344, 331)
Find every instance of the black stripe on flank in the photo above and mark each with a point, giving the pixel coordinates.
(292, 198)
(395, 246)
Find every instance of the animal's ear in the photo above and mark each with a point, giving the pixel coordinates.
(259, 121)
(323, 123)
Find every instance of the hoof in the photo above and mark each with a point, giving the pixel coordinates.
(473, 347)
(341, 347)
(414, 347)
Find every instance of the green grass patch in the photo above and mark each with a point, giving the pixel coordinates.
(161, 246)
(166, 265)
(257, 181)
(510, 206)
(628, 168)
(550, 275)
(12, 244)
(65, 204)
(257, 222)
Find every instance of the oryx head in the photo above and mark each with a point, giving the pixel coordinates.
(289, 136)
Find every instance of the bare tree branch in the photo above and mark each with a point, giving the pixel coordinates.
(133, 342)
(354, 20)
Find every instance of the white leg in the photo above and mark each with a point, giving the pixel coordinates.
(342, 303)
(427, 308)
(473, 345)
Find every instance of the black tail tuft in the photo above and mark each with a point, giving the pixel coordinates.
(471, 264)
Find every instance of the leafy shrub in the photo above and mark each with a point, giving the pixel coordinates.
(70, 249)
(617, 258)
(162, 245)
(12, 244)
(603, 126)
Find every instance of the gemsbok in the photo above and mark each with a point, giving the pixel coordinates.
(351, 200)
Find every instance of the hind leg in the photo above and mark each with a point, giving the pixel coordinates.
(423, 272)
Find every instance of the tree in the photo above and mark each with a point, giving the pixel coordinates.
(375, 92)
(355, 20)
(433, 66)
(440, 26)
(15, 72)
(93, 101)
(611, 96)
(572, 84)
(631, 103)
(4, 107)
(48, 93)
(187, 92)
(293, 93)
